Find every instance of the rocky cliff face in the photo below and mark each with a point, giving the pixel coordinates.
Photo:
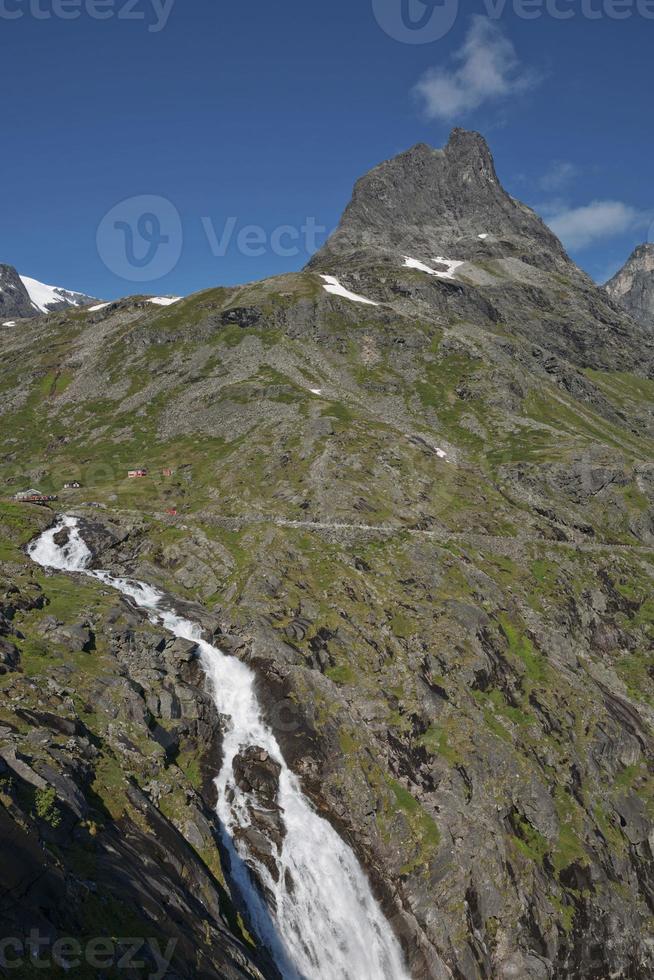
(445, 210)
(438, 202)
(15, 302)
(427, 523)
(633, 286)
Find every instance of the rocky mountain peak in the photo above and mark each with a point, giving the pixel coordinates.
(430, 202)
(633, 286)
(470, 151)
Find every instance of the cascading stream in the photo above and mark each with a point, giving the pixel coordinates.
(322, 922)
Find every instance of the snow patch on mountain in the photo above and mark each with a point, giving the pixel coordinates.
(333, 286)
(165, 300)
(448, 273)
(45, 298)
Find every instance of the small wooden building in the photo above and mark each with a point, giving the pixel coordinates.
(27, 494)
(34, 497)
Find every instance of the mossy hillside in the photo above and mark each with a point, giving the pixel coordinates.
(64, 434)
(626, 391)
(274, 470)
(338, 604)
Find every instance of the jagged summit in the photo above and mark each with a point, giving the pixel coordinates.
(633, 286)
(430, 202)
(435, 230)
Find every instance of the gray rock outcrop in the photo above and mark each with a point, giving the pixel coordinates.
(15, 302)
(633, 286)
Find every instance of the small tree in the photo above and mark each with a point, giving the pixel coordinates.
(46, 806)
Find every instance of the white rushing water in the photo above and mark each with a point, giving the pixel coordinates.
(323, 922)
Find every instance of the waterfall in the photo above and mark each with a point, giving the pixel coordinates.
(321, 920)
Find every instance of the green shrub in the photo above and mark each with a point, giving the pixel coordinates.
(46, 806)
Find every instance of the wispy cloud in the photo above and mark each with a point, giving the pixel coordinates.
(561, 173)
(580, 227)
(486, 68)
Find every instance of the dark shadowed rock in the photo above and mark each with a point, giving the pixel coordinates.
(15, 302)
(9, 656)
(257, 775)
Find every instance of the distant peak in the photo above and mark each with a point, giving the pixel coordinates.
(23, 297)
(633, 286)
(642, 257)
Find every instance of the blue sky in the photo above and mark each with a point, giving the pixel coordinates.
(265, 113)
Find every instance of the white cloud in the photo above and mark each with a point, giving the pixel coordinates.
(560, 173)
(486, 68)
(581, 227)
